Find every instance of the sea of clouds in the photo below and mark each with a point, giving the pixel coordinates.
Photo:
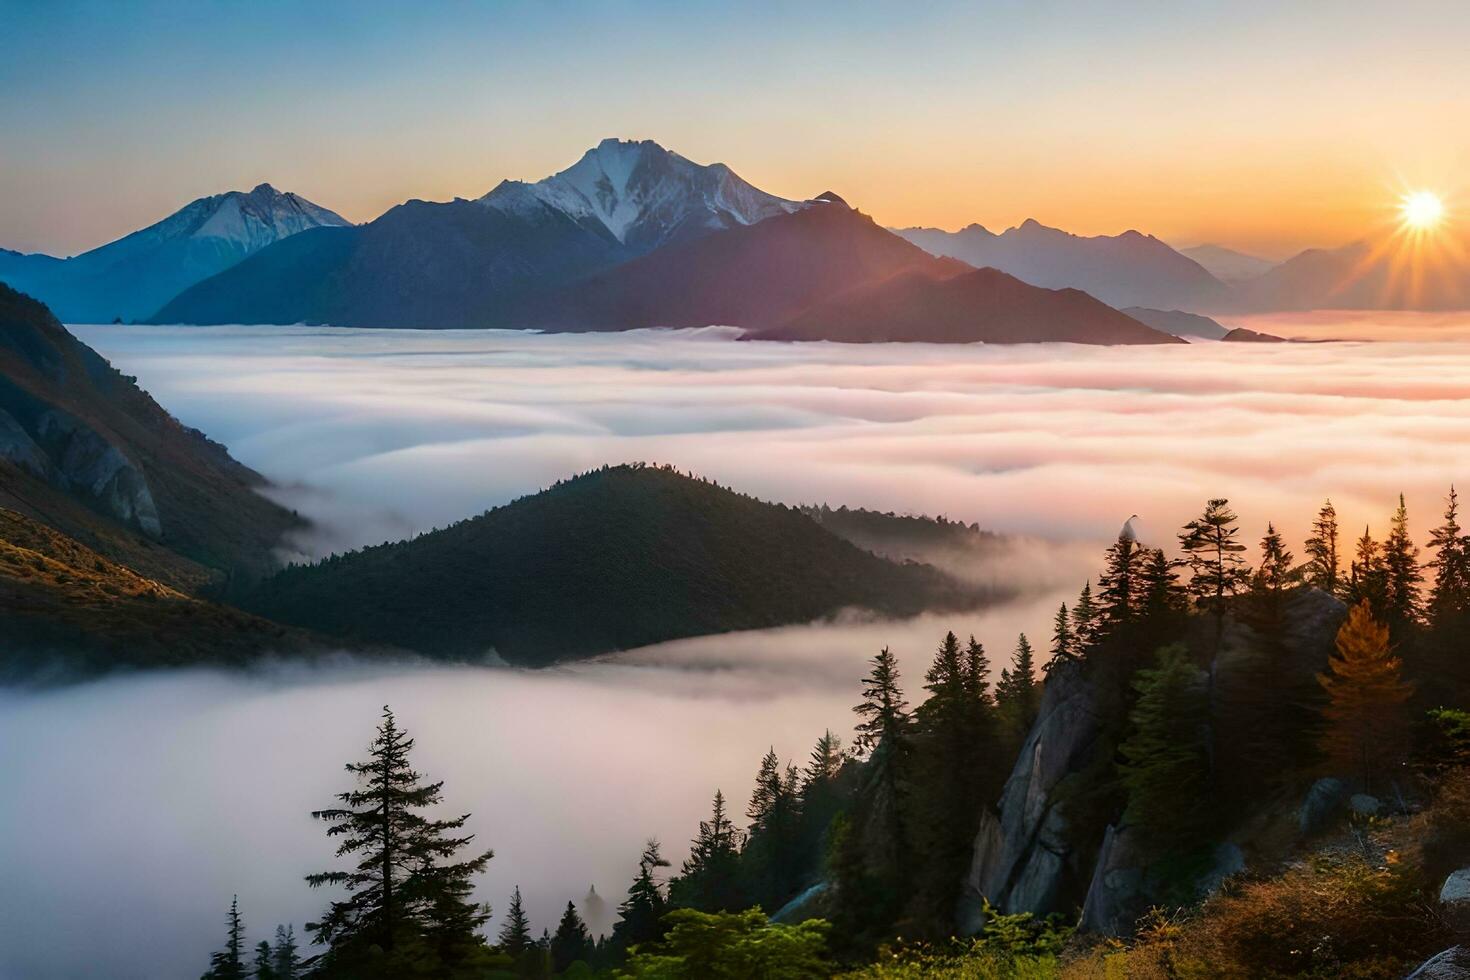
(136, 806)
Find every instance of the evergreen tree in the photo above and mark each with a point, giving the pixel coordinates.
(1084, 620)
(1450, 598)
(1366, 731)
(1274, 575)
(1402, 600)
(1323, 570)
(1167, 761)
(977, 677)
(709, 879)
(1213, 555)
(229, 963)
(264, 966)
(1018, 695)
(773, 859)
(1163, 597)
(404, 884)
(515, 931)
(1118, 594)
(572, 942)
(640, 913)
(1367, 576)
(821, 791)
(883, 709)
(285, 961)
(1063, 640)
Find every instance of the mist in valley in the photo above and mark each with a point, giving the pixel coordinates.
(137, 805)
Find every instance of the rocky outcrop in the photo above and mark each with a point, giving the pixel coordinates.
(1323, 802)
(1456, 888)
(1452, 964)
(1025, 858)
(1118, 893)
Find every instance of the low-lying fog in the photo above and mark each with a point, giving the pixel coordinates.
(135, 807)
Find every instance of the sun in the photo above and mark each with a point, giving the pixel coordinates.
(1421, 210)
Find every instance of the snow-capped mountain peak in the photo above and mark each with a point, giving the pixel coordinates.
(643, 194)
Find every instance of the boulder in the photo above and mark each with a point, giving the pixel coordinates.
(1456, 888)
(1323, 802)
(1118, 894)
(1452, 964)
(1363, 805)
(1229, 860)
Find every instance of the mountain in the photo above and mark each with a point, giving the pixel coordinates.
(1226, 264)
(1384, 274)
(1130, 269)
(757, 276)
(1241, 335)
(645, 196)
(468, 263)
(1178, 322)
(68, 609)
(84, 450)
(978, 305)
(614, 559)
(133, 276)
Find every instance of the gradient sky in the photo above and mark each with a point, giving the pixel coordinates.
(1267, 126)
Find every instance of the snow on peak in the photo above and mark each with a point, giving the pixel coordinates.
(643, 194)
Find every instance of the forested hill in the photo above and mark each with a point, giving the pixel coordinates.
(610, 560)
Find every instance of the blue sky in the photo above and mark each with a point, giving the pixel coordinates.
(1267, 125)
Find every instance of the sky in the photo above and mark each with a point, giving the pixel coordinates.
(1265, 126)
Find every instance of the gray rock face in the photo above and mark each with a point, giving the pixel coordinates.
(16, 446)
(1323, 802)
(1452, 964)
(79, 458)
(1456, 888)
(1023, 861)
(1117, 895)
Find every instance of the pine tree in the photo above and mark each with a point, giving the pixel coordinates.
(640, 914)
(1401, 574)
(572, 942)
(977, 677)
(515, 932)
(1084, 620)
(883, 709)
(1163, 598)
(1323, 571)
(1018, 695)
(1167, 762)
(285, 961)
(1274, 575)
(709, 879)
(1450, 598)
(1366, 731)
(772, 856)
(229, 963)
(1118, 598)
(264, 968)
(821, 791)
(404, 884)
(1213, 555)
(1063, 641)
(1367, 576)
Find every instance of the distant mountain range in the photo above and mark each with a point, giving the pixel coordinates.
(1130, 269)
(134, 276)
(612, 241)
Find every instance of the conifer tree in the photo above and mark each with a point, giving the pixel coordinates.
(1366, 730)
(821, 792)
(285, 960)
(640, 913)
(1367, 576)
(1167, 762)
(1213, 555)
(264, 968)
(1450, 598)
(1118, 593)
(1063, 641)
(1323, 570)
(1084, 619)
(1401, 574)
(229, 963)
(1274, 574)
(977, 677)
(1163, 597)
(883, 709)
(772, 857)
(404, 884)
(709, 879)
(1018, 695)
(572, 942)
(515, 931)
